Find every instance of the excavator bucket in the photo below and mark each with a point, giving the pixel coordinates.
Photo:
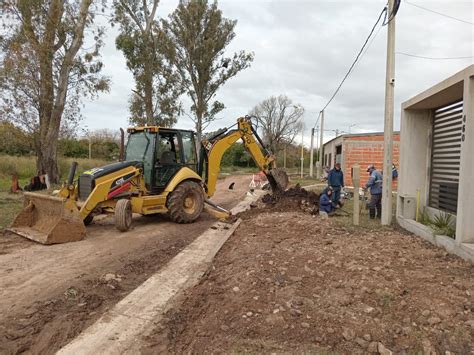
(49, 220)
(278, 180)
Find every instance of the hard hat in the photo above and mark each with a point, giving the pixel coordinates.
(370, 167)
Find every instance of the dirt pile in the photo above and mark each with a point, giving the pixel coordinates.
(288, 282)
(294, 198)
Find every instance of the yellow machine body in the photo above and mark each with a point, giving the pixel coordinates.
(149, 185)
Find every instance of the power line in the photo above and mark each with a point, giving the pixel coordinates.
(439, 13)
(384, 11)
(432, 58)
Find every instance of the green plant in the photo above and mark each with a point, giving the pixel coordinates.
(443, 225)
(425, 219)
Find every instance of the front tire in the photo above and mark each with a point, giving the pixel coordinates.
(88, 220)
(186, 202)
(123, 215)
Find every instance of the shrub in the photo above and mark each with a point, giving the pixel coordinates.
(443, 225)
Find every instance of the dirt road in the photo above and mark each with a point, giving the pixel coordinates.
(289, 282)
(48, 294)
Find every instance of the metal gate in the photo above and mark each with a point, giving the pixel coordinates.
(446, 157)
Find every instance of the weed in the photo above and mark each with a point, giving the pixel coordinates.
(386, 299)
(425, 219)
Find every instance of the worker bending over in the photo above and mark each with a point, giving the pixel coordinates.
(375, 186)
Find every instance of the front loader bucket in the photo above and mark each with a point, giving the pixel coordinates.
(49, 220)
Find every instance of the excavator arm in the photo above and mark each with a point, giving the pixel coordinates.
(216, 146)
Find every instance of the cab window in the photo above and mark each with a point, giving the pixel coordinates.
(189, 148)
(168, 150)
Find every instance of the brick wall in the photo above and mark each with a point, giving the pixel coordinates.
(366, 150)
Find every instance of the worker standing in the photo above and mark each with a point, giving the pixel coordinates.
(375, 185)
(336, 182)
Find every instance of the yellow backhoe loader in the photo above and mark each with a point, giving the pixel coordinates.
(160, 173)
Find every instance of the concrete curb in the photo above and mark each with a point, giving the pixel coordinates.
(119, 330)
(464, 251)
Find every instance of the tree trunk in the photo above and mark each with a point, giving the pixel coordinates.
(47, 162)
(148, 93)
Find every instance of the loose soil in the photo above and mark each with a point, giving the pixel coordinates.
(49, 294)
(291, 282)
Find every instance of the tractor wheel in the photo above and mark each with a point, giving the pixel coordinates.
(186, 202)
(123, 215)
(88, 220)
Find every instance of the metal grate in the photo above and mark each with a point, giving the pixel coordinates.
(446, 157)
(85, 186)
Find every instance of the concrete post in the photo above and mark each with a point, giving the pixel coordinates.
(320, 168)
(302, 152)
(356, 182)
(464, 220)
(388, 124)
(311, 152)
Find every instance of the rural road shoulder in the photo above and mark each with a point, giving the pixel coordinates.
(118, 330)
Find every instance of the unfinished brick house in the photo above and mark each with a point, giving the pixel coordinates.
(359, 148)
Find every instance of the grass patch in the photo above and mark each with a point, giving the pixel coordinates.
(345, 217)
(305, 181)
(235, 170)
(10, 205)
(25, 168)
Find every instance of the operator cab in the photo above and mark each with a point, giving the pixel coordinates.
(163, 151)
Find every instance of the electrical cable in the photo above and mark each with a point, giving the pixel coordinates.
(432, 58)
(384, 11)
(439, 13)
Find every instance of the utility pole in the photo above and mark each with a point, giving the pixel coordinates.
(284, 157)
(302, 150)
(311, 152)
(320, 168)
(388, 123)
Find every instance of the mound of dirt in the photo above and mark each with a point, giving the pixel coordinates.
(294, 198)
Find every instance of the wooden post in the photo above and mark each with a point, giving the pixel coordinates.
(15, 185)
(356, 182)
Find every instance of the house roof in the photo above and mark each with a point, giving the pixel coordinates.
(358, 135)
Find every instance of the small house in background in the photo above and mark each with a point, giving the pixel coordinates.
(361, 148)
(437, 163)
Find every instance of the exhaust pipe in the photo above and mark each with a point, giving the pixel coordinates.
(122, 144)
(72, 172)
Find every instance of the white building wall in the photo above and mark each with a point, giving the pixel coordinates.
(415, 159)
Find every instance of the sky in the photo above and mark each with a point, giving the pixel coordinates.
(303, 49)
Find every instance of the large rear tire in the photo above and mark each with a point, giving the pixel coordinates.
(123, 215)
(186, 202)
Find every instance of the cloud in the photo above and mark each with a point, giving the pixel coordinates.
(304, 48)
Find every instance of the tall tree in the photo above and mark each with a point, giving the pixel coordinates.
(194, 39)
(279, 119)
(157, 89)
(45, 70)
